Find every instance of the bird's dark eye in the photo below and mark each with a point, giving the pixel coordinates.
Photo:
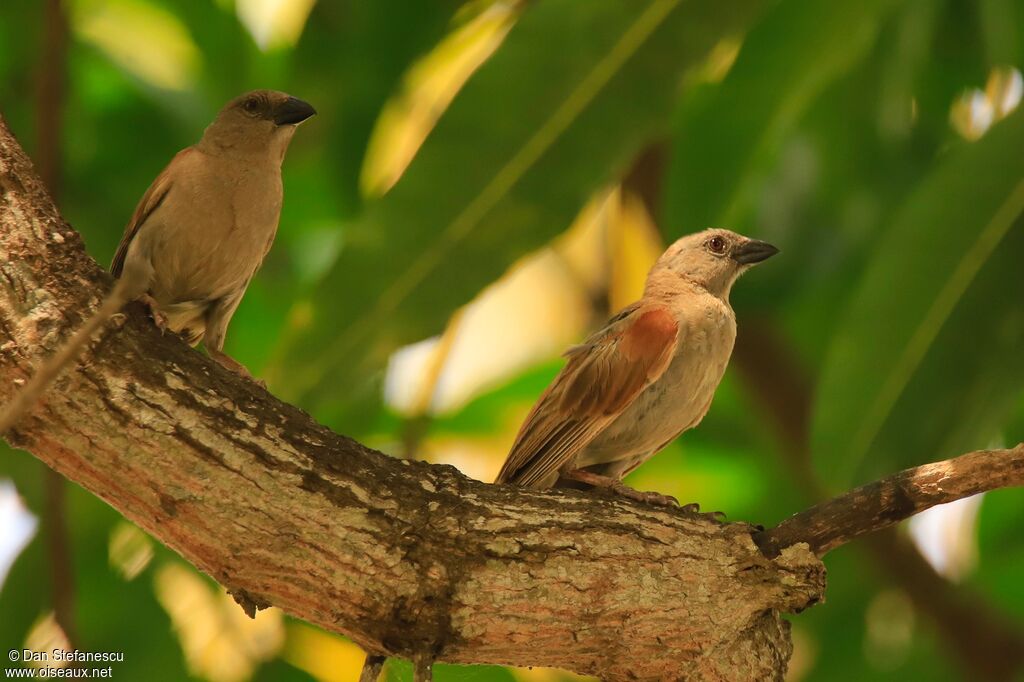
(716, 245)
(251, 105)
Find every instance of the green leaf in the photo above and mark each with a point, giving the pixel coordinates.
(575, 90)
(1001, 26)
(361, 50)
(927, 362)
(726, 131)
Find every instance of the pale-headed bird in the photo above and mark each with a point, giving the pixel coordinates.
(644, 378)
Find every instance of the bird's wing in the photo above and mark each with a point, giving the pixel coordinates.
(603, 377)
(150, 201)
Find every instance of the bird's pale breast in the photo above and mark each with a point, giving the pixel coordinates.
(211, 233)
(679, 398)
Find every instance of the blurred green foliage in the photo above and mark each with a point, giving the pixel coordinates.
(521, 161)
(836, 130)
(958, 313)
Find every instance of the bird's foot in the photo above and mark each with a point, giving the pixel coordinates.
(232, 365)
(645, 496)
(694, 509)
(154, 312)
(619, 488)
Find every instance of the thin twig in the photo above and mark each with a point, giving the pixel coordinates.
(890, 500)
(986, 643)
(50, 95)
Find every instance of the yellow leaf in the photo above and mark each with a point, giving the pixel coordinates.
(634, 246)
(143, 39)
(429, 88)
(326, 657)
(274, 23)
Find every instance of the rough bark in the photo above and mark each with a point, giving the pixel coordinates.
(404, 558)
(894, 498)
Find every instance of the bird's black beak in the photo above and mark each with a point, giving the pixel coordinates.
(753, 251)
(292, 112)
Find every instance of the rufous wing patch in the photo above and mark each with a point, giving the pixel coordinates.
(603, 376)
(646, 339)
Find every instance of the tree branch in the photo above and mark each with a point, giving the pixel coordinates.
(404, 558)
(883, 503)
(983, 640)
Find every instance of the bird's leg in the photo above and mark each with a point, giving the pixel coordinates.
(154, 311)
(230, 364)
(619, 488)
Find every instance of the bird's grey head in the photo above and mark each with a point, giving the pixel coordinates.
(711, 259)
(257, 123)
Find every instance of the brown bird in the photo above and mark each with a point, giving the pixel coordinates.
(198, 235)
(648, 375)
